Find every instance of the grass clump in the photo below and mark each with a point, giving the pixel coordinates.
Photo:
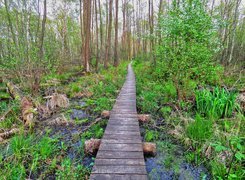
(200, 130)
(218, 103)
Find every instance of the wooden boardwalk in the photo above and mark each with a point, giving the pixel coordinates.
(120, 155)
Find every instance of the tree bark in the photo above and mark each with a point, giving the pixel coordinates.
(116, 36)
(97, 35)
(87, 33)
(43, 30)
(108, 44)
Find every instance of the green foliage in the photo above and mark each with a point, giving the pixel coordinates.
(71, 171)
(46, 147)
(25, 153)
(218, 103)
(151, 135)
(165, 111)
(169, 91)
(200, 130)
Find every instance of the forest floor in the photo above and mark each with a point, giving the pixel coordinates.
(68, 112)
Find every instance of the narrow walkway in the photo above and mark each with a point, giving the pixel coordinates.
(120, 155)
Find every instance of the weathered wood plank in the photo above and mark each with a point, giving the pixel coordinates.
(124, 137)
(107, 169)
(121, 123)
(121, 133)
(117, 177)
(132, 162)
(123, 127)
(123, 141)
(121, 147)
(119, 155)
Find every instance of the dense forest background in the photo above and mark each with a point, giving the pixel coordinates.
(62, 62)
(42, 36)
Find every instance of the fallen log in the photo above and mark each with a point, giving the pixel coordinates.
(27, 111)
(13, 90)
(91, 147)
(8, 134)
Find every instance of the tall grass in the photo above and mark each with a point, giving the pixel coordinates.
(218, 103)
(200, 130)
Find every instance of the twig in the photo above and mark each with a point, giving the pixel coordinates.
(2, 118)
(237, 79)
(97, 120)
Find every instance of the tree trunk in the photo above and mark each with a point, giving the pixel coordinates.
(87, 33)
(108, 44)
(43, 29)
(101, 31)
(97, 35)
(116, 36)
(234, 25)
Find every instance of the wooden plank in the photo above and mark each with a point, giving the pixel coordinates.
(123, 141)
(123, 127)
(118, 122)
(107, 169)
(131, 162)
(121, 147)
(119, 155)
(124, 137)
(121, 133)
(117, 177)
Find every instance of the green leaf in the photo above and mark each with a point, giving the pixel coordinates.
(239, 156)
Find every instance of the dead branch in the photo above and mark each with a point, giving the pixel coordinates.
(96, 121)
(9, 133)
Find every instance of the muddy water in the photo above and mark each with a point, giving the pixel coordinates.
(178, 169)
(170, 162)
(69, 135)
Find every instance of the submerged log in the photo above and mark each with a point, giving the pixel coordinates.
(92, 146)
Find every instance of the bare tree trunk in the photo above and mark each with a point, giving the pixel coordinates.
(108, 44)
(101, 30)
(116, 36)
(87, 33)
(124, 29)
(234, 25)
(81, 27)
(43, 29)
(10, 23)
(97, 35)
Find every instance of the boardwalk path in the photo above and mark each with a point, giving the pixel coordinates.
(120, 155)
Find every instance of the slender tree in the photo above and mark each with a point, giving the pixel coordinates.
(116, 36)
(108, 44)
(87, 33)
(43, 29)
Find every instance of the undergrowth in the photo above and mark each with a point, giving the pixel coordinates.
(28, 155)
(198, 112)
